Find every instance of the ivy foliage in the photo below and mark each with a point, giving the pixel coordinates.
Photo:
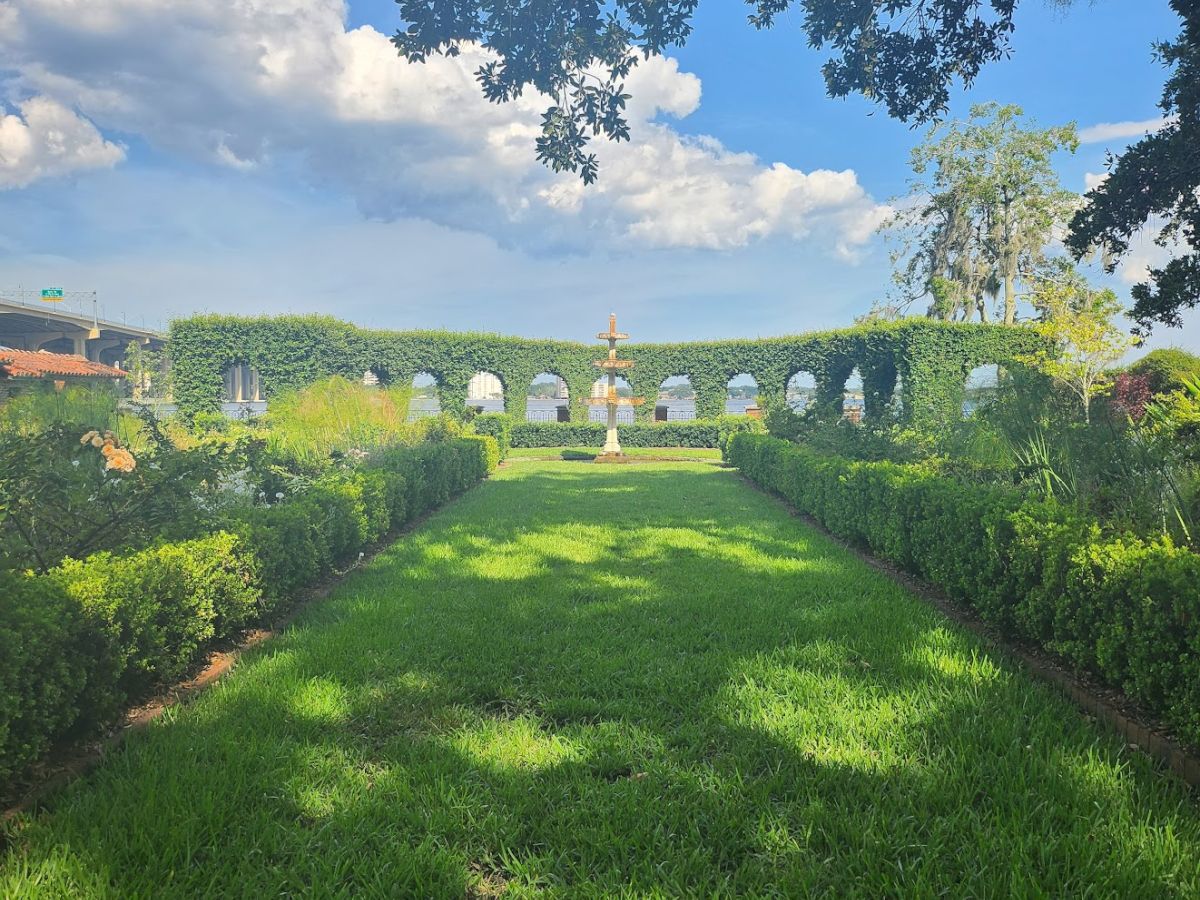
(913, 369)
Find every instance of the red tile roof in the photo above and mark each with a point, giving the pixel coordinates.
(40, 364)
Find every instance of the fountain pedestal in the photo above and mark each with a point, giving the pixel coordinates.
(612, 444)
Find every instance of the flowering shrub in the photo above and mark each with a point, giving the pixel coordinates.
(65, 495)
(1130, 395)
(116, 457)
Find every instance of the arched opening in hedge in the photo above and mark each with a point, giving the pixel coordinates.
(801, 391)
(301, 350)
(548, 399)
(853, 401)
(426, 396)
(377, 376)
(600, 413)
(980, 388)
(741, 393)
(242, 384)
(676, 400)
(485, 391)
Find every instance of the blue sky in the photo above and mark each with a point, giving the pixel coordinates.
(282, 159)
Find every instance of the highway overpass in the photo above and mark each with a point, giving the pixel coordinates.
(35, 325)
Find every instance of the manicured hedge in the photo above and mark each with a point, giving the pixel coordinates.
(498, 426)
(80, 643)
(41, 671)
(1124, 609)
(693, 433)
(149, 616)
(926, 360)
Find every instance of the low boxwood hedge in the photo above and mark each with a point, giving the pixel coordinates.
(1125, 609)
(42, 674)
(81, 642)
(692, 433)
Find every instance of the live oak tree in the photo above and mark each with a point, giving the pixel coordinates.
(989, 199)
(903, 54)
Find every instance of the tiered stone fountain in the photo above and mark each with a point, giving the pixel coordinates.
(612, 365)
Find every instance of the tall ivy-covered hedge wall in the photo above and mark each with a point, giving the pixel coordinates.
(928, 361)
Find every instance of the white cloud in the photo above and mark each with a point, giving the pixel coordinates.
(158, 243)
(45, 139)
(1119, 131)
(281, 84)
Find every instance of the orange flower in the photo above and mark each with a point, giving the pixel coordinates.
(89, 437)
(121, 460)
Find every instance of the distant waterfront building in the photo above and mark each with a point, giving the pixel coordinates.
(486, 386)
(25, 368)
(242, 384)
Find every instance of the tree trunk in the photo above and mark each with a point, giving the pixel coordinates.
(1010, 293)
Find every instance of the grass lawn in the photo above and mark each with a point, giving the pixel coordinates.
(524, 453)
(585, 680)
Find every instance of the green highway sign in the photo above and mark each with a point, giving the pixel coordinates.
(52, 295)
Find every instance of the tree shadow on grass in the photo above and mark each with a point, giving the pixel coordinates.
(517, 697)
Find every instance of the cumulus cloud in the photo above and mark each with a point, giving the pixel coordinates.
(284, 84)
(1119, 131)
(44, 139)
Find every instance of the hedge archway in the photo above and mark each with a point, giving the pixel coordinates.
(928, 359)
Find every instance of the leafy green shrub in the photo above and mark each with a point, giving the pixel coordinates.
(436, 471)
(41, 670)
(1125, 609)
(489, 452)
(499, 427)
(335, 503)
(62, 493)
(1131, 614)
(288, 543)
(1167, 369)
(77, 644)
(153, 613)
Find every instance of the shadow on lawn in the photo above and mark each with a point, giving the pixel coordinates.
(683, 705)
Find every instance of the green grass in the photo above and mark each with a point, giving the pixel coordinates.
(585, 680)
(682, 453)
